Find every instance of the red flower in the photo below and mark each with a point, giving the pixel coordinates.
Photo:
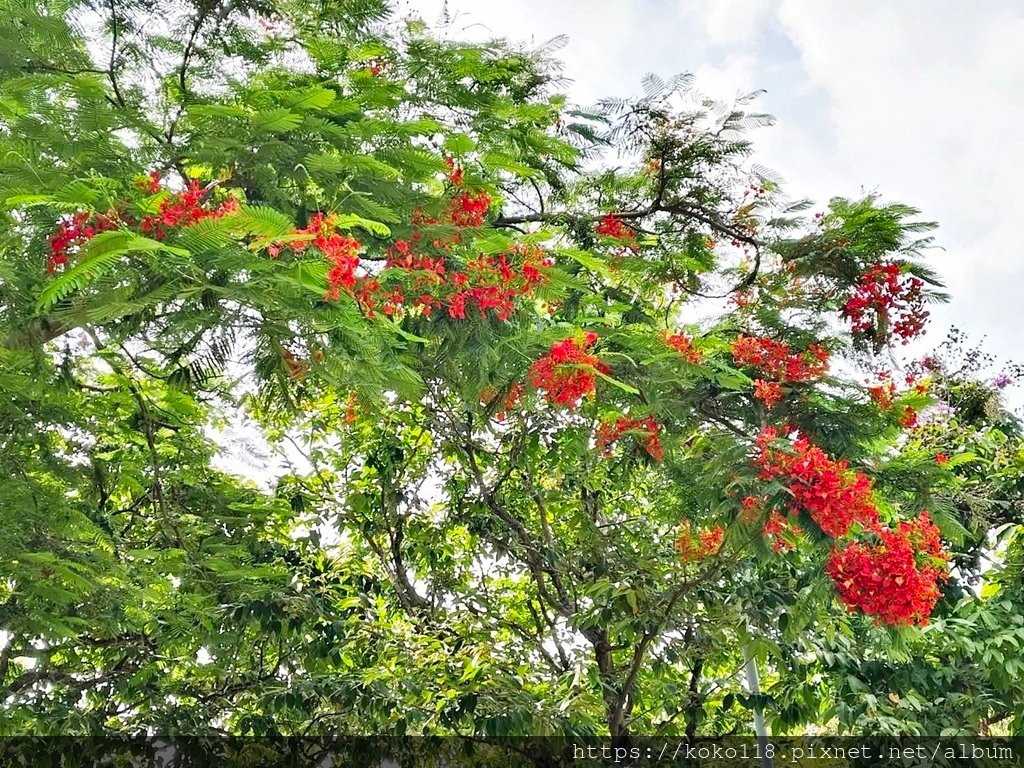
(742, 299)
(508, 402)
(775, 529)
(567, 372)
(908, 419)
(515, 394)
(645, 430)
(834, 496)
(297, 369)
(883, 394)
(454, 172)
(351, 408)
(750, 508)
(941, 458)
(886, 299)
(612, 226)
(693, 547)
(150, 183)
(683, 344)
(343, 253)
(894, 577)
(768, 392)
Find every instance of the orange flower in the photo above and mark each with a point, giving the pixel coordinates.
(768, 392)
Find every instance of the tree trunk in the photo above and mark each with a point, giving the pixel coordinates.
(615, 714)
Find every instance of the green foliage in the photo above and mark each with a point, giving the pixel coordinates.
(447, 552)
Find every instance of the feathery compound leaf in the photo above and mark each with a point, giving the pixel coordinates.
(99, 255)
(312, 98)
(353, 221)
(339, 163)
(372, 208)
(259, 220)
(653, 85)
(278, 120)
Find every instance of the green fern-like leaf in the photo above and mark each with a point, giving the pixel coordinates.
(278, 120)
(352, 221)
(101, 253)
(259, 220)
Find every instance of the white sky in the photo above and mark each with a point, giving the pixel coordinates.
(917, 99)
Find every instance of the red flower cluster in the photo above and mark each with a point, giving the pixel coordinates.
(776, 360)
(454, 172)
(508, 402)
(645, 430)
(886, 298)
(341, 251)
(297, 368)
(71, 234)
(351, 408)
(566, 373)
(775, 529)
(183, 208)
(487, 283)
(768, 392)
(834, 496)
(696, 546)
(469, 208)
(894, 578)
(683, 344)
(883, 394)
(750, 509)
(494, 283)
(924, 536)
(908, 419)
(612, 226)
(150, 183)
(742, 299)
(888, 573)
(176, 210)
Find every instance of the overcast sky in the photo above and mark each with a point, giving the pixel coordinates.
(917, 99)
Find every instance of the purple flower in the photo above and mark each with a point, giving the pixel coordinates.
(937, 412)
(1002, 381)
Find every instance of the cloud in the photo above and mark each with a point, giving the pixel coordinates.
(922, 101)
(729, 22)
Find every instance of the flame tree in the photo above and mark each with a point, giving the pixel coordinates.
(529, 493)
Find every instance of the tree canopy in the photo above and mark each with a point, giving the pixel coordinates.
(582, 411)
